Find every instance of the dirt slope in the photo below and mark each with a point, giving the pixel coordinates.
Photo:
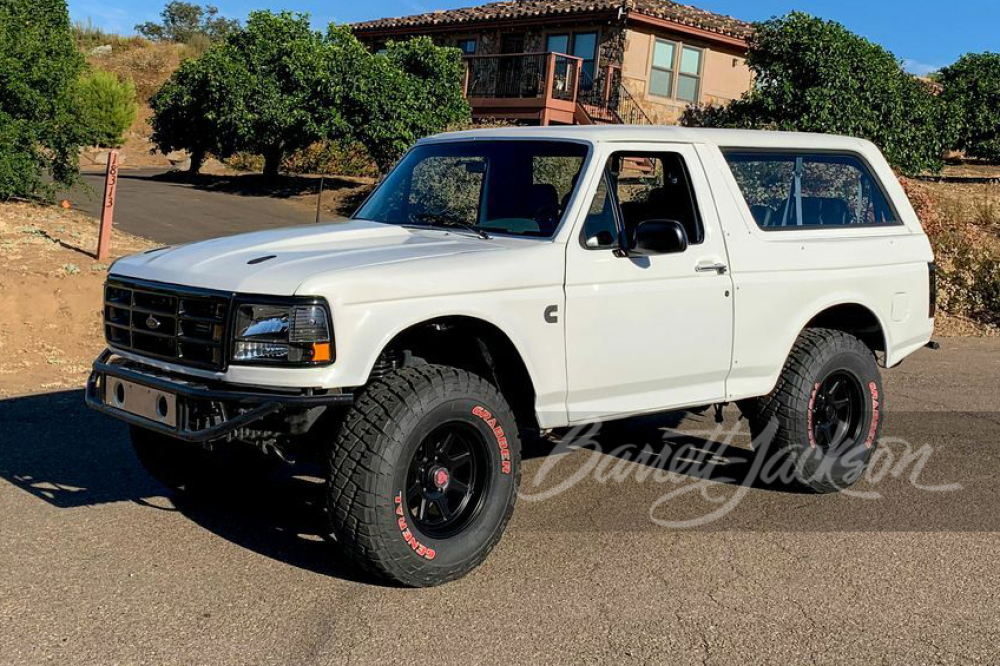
(50, 296)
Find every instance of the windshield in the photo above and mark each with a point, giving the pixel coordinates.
(511, 187)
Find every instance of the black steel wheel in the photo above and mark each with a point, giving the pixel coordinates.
(837, 411)
(447, 479)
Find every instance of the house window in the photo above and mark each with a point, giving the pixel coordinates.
(583, 45)
(467, 46)
(661, 76)
(676, 71)
(689, 76)
(557, 44)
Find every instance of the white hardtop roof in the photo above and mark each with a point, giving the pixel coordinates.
(723, 138)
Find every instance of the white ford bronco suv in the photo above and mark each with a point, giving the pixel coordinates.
(503, 282)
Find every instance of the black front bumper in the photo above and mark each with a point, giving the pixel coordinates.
(248, 407)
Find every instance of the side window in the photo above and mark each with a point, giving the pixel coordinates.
(639, 187)
(795, 191)
(655, 186)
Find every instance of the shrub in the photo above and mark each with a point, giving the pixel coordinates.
(108, 107)
(39, 66)
(972, 86)
(968, 267)
(812, 75)
(344, 158)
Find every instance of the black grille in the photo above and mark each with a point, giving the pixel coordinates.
(177, 324)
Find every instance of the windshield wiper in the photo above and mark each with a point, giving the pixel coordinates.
(432, 220)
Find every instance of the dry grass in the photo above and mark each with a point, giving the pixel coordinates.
(963, 222)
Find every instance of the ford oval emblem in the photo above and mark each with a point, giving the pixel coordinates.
(152, 323)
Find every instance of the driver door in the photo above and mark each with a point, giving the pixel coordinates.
(645, 334)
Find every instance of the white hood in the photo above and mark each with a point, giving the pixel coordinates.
(285, 258)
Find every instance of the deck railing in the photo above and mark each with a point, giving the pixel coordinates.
(552, 83)
(522, 76)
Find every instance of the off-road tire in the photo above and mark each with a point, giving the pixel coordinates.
(370, 460)
(784, 423)
(186, 467)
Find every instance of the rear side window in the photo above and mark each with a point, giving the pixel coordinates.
(787, 191)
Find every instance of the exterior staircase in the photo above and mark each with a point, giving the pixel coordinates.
(607, 101)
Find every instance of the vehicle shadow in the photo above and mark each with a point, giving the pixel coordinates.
(674, 442)
(56, 449)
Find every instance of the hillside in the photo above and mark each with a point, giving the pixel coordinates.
(148, 65)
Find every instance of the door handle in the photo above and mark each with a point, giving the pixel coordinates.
(719, 268)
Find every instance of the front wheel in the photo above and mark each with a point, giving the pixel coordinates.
(423, 475)
(824, 417)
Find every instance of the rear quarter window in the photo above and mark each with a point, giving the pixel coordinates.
(792, 190)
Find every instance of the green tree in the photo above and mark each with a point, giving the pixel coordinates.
(108, 107)
(184, 21)
(39, 66)
(200, 108)
(293, 85)
(277, 86)
(972, 87)
(816, 76)
(413, 90)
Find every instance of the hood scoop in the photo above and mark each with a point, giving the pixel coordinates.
(260, 260)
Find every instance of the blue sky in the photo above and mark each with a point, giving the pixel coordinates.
(928, 34)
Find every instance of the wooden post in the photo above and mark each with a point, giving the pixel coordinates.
(108, 209)
(576, 79)
(550, 82)
(319, 198)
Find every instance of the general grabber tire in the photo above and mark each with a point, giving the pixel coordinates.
(824, 417)
(423, 475)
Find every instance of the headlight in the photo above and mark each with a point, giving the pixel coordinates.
(280, 334)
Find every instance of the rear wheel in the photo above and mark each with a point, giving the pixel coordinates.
(423, 475)
(824, 417)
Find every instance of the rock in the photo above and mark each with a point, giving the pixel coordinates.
(102, 50)
(179, 159)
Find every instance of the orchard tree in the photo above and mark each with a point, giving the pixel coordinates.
(200, 108)
(413, 89)
(293, 87)
(972, 87)
(277, 86)
(40, 125)
(812, 75)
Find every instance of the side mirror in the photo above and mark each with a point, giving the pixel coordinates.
(654, 237)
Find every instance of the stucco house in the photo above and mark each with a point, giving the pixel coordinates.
(584, 61)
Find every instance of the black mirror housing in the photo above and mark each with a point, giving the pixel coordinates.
(654, 237)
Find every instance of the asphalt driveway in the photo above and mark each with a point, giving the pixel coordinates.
(157, 205)
(627, 565)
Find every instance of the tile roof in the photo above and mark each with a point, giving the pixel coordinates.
(527, 9)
